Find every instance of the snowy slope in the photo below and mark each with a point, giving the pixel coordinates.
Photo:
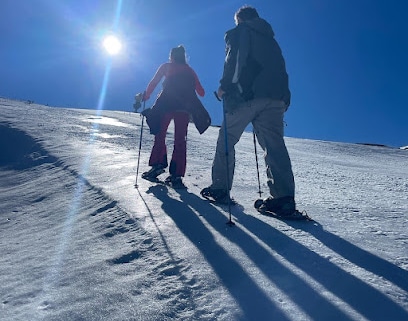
(79, 242)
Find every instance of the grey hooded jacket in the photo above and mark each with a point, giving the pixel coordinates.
(254, 62)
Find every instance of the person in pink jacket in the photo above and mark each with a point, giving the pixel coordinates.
(177, 101)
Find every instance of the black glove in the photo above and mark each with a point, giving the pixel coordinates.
(138, 101)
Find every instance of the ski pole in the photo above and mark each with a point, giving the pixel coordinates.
(138, 98)
(257, 165)
(230, 222)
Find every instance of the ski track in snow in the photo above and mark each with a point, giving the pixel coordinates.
(79, 242)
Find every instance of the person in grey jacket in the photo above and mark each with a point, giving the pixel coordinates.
(255, 89)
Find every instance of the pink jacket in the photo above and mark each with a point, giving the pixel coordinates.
(169, 69)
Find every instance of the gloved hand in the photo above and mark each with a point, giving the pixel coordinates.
(144, 96)
(139, 97)
(138, 101)
(220, 93)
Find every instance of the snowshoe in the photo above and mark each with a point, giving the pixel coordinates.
(152, 174)
(175, 182)
(218, 196)
(281, 208)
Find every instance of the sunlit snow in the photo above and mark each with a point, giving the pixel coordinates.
(79, 242)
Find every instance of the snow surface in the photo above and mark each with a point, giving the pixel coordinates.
(79, 242)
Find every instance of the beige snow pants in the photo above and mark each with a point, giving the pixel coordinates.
(266, 116)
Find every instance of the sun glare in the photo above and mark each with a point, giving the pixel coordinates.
(112, 45)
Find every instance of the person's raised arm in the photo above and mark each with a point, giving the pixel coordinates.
(161, 71)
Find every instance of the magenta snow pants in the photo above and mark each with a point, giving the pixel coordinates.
(159, 150)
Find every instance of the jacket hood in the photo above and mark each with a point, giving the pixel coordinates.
(261, 26)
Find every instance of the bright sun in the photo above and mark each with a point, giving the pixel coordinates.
(112, 45)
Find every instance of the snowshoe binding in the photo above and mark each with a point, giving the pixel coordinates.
(281, 208)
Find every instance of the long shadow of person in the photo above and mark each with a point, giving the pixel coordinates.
(364, 298)
(228, 270)
(358, 256)
(237, 281)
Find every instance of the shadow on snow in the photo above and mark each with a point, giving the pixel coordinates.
(365, 299)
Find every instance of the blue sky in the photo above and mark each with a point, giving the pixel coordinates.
(346, 59)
